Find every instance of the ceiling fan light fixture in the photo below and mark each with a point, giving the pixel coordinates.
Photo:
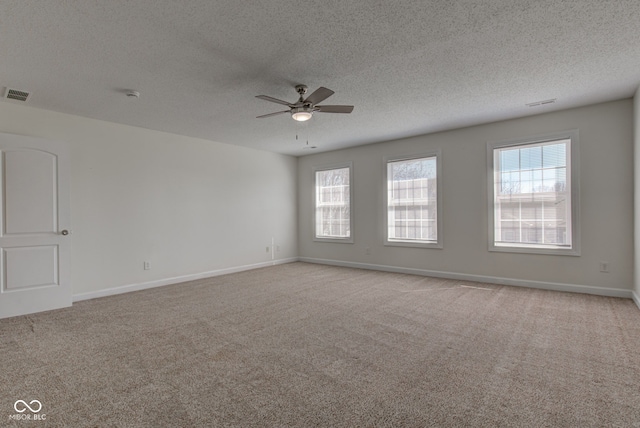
(303, 109)
(301, 114)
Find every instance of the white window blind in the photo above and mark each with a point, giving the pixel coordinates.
(412, 200)
(333, 203)
(532, 195)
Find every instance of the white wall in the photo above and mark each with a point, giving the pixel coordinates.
(636, 162)
(606, 204)
(188, 206)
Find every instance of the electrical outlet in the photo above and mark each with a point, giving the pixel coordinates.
(367, 251)
(147, 265)
(267, 249)
(277, 248)
(604, 267)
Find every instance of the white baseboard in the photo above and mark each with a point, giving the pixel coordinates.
(586, 289)
(636, 298)
(601, 291)
(175, 280)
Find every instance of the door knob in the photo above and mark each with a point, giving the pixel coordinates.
(65, 232)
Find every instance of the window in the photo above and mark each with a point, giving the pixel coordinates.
(412, 199)
(534, 195)
(333, 216)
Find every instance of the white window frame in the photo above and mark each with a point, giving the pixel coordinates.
(335, 239)
(573, 178)
(438, 243)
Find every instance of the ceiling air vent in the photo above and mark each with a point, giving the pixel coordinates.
(541, 103)
(16, 94)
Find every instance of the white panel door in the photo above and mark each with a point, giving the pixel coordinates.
(34, 225)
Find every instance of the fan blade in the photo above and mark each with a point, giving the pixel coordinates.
(273, 100)
(334, 109)
(273, 114)
(318, 96)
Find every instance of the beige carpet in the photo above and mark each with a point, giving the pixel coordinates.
(303, 345)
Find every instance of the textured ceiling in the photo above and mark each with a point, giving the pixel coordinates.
(409, 66)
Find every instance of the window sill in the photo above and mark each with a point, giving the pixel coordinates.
(535, 250)
(334, 240)
(412, 244)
